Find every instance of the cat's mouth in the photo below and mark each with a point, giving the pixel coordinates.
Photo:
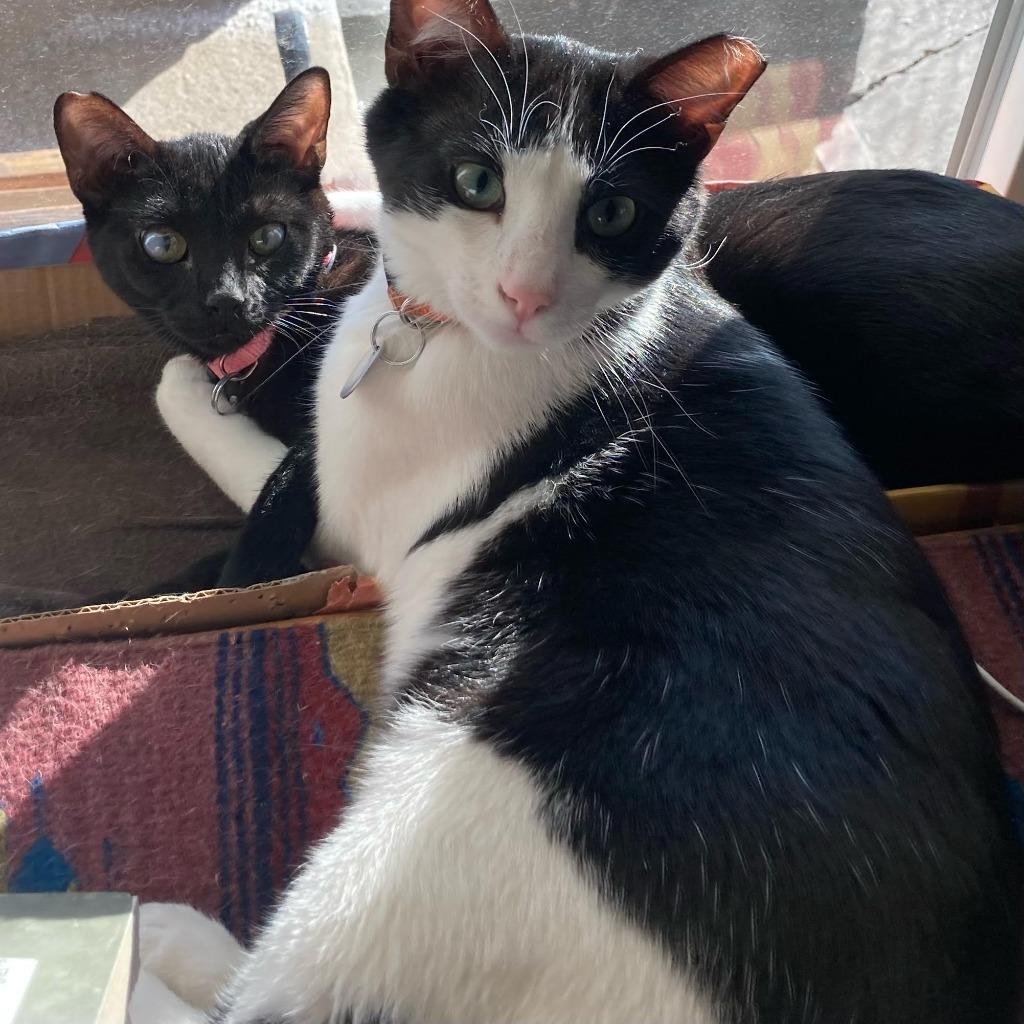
(210, 347)
(245, 356)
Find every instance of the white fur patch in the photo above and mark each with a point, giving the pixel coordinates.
(442, 897)
(152, 1002)
(421, 586)
(233, 451)
(457, 261)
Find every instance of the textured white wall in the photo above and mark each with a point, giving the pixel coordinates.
(234, 73)
(176, 66)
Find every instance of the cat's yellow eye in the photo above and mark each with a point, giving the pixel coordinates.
(611, 216)
(478, 186)
(267, 239)
(163, 244)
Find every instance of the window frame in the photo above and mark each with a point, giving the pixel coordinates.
(989, 144)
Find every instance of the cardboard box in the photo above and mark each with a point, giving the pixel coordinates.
(35, 300)
(328, 590)
(67, 958)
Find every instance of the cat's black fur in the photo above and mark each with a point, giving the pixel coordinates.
(900, 295)
(216, 190)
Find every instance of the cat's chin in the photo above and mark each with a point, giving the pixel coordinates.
(501, 337)
(507, 339)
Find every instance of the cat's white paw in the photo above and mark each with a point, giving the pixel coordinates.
(233, 450)
(184, 392)
(193, 955)
(152, 1002)
(355, 209)
(183, 377)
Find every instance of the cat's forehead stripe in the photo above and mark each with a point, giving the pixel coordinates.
(551, 178)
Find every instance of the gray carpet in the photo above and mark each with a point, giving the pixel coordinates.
(95, 495)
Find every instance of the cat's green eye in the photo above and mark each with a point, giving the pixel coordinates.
(478, 186)
(267, 239)
(611, 216)
(163, 244)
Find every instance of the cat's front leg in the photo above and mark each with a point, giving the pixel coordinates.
(233, 451)
(280, 525)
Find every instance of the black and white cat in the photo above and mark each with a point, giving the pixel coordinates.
(678, 725)
(225, 248)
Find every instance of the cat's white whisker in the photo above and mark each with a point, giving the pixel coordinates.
(603, 133)
(639, 149)
(526, 73)
(656, 106)
(277, 369)
(612, 158)
(534, 106)
(511, 111)
(707, 257)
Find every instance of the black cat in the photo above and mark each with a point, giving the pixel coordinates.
(224, 246)
(900, 295)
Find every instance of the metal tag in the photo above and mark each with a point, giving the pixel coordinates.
(361, 370)
(377, 349)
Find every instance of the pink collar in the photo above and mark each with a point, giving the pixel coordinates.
(242, 358)
(256, 347)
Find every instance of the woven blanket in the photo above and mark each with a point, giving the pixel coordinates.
(200, 768)
(195, 768)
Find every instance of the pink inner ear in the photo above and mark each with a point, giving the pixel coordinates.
(422, 15)
(296, 123)
(422, 30)
(437, 19)
(705, 81)
(97, 140)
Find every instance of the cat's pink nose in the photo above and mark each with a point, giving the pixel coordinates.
(526, 302)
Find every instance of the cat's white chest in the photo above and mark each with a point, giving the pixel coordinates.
(399, 451)
(411, 443)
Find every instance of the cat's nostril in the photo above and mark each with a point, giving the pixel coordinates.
(223, 302)
(526, 302)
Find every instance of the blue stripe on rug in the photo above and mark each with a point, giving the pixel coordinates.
(220, 756)
(240, 789)
(259, 757)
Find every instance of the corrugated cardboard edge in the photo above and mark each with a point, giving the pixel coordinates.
(298, 597)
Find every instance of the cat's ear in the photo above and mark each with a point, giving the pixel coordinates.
(294, 129)
(703, 82)
(422, 34)
(99, 143)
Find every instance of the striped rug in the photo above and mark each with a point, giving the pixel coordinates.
(195, 768)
